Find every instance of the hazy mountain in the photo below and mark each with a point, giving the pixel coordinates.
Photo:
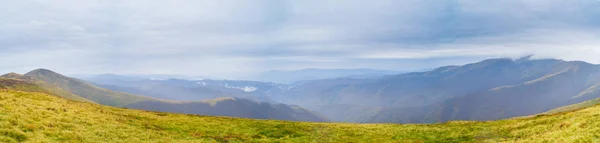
(86, 90)
(172, 89)
(262, 91)
(280, 76)
(566, 83)
(25, 83)
(181, 89)
(37, 117)
(422, 88)
(233, 107)
(490, 89)
(190, 89)
(136, 77)
(487, 90)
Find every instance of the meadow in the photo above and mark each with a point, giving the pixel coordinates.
(39, 117)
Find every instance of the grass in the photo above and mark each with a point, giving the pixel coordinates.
(39, 117)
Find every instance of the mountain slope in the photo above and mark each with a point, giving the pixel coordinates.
(157, 89)
(561, 88)
(233, 107)
(423, 88)
(20, 85)
(28, 84)
(180, 89)
(487, 90)
(162, 89)
(574, 107)
(51, 81)
(85, 90)
(39, 117)
(316, 74)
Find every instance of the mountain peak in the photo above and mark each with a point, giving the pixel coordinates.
(45, 74)
(42, 72)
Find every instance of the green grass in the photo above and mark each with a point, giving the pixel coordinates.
(39, 117)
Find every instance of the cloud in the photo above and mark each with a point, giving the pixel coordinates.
(227, 38)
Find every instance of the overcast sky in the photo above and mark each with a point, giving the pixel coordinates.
(233, 38)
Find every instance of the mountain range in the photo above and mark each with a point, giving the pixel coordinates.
(29, 114)
(292, 76)
(186, 90)
(487, 90)
(80, 90)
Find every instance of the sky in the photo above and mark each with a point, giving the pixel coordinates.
(237, 38)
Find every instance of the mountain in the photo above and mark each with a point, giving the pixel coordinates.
(86, 90)
(421, 88)
(182, 89)
(172, 89)
(40, 117)
(575, 107)
(233, 107)
(28, 83)
(279, 76)
(52, 81)
(136, 77)
(565, 83)
(20, 85)
(487, 90)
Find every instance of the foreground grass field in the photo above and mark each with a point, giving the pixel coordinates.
(39, 117)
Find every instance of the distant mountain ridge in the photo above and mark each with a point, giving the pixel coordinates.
(86, 90)
(182, 89)
(33, 83)
(233, 107)
(45, 80)
(486, 90)
(287, 77)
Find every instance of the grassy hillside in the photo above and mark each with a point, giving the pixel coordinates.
(13, 82)
(20, 85)
(83, 89)
(49, 82)
(24, 83)
(38, 117)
